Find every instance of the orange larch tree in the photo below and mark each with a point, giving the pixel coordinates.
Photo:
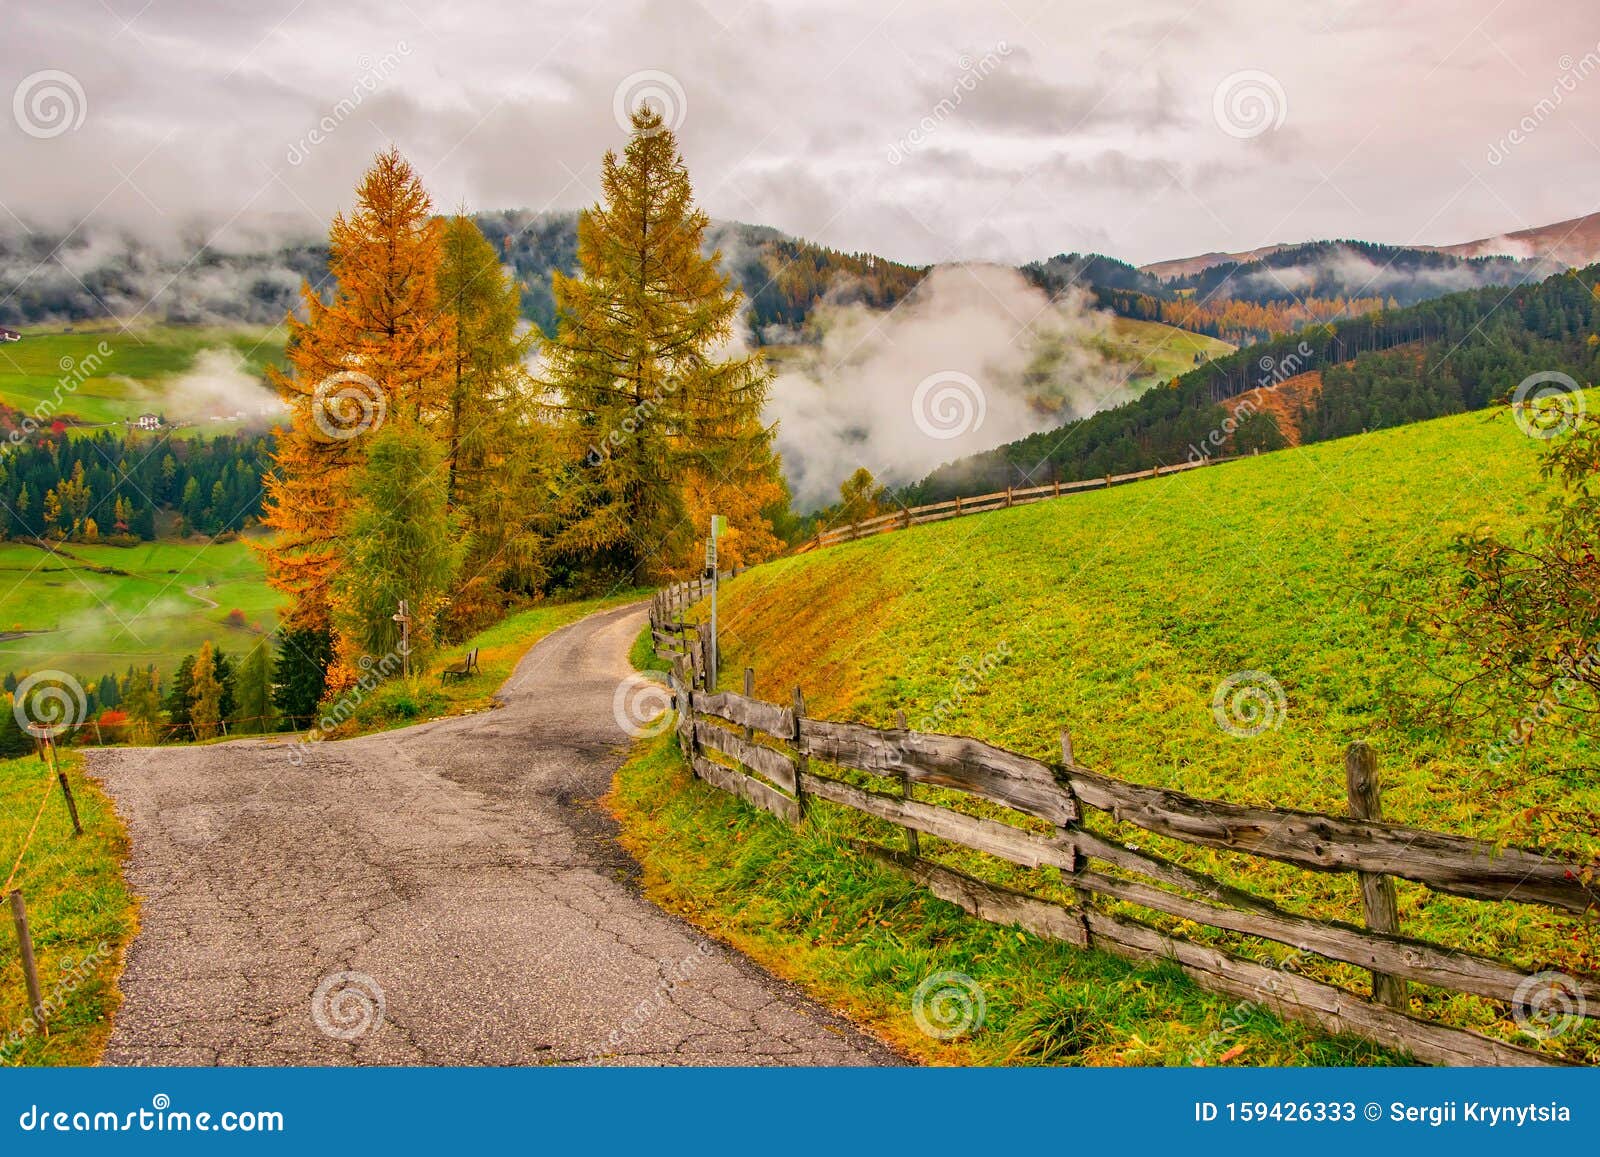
(375, 352)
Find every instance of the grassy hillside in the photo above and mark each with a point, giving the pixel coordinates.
(86, 621)
(1164, 350)
(130, 378)
(1118, 614)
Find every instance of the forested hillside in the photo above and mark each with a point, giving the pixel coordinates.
(1461, 352)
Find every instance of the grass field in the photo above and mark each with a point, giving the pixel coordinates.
(157, 611)
(79, 911)
(129, 379)
(1119, 613)
(1164, 351)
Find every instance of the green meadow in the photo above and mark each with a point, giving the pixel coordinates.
(1120, 614)
(68, 372)
(92, 609)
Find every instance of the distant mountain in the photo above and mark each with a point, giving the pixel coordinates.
(1564, 244)
(1189, 266)
(49, 277)
(1573, 243)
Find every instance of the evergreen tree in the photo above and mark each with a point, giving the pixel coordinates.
(180, 693)
(254, 692)
(646, 398)
(14, 741)
(304, 655)
(205, 696)
(376, 352)
(402, 545)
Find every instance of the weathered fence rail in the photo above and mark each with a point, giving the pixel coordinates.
(768, 754)
(999, 500)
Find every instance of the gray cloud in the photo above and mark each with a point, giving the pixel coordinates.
(1094, 129)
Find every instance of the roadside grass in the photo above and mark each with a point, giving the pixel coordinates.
(401, 702)
(91, 622)
(860, 937)
(1119, 614)
(79, 910)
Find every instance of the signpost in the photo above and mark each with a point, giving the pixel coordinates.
(403, 617)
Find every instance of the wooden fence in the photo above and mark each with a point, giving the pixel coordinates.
(982, 503)
(771, 755)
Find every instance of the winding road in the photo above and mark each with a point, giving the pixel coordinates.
(446, 894)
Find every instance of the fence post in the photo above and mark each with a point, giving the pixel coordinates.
(1377, 890)
(1008, 496)
(66, 788)
(749, 693)
(802, 761)
(958, 504)
(30, 966)
(913, 845)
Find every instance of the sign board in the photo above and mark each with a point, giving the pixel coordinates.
(718, 524)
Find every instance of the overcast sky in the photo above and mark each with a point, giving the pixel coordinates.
(995, 129)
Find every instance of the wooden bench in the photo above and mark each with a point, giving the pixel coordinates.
(461, 670)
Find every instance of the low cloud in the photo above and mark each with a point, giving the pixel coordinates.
(974, 358)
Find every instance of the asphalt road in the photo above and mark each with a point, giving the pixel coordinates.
(446, 894)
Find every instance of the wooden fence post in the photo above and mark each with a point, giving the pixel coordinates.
(802, 761)
(1008, 496)
(749, 693)
(66, 788)
(1377, 890)
(30, 966)
(913, 845)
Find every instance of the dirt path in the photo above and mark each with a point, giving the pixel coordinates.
(455, 877)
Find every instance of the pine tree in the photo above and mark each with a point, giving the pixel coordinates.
(304, 655)
(376, 352)
(14, 741)
(402, 545)
(254, 691)
(646, 399)
(205, 697)
(180, 693)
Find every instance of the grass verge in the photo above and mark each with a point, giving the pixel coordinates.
(862, 938)
(79, 910)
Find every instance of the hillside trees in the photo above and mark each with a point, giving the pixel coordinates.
(651, 400)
